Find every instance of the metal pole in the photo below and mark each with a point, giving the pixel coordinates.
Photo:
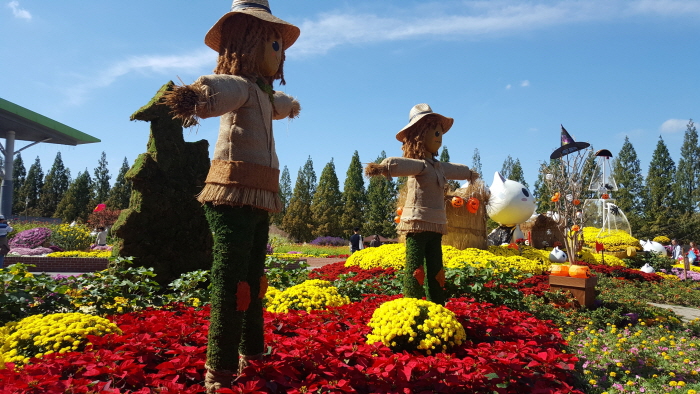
(6, 190)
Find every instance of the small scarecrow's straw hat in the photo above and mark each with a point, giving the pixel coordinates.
(259, 9)
(419, 112)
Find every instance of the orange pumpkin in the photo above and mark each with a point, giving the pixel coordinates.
(457, 202)
(605, 196)
(579, 271)
(577, 202)
(555, 197)
(575, 227)
(399, 211)
(397, 219)
(472, 205)
(559, 270)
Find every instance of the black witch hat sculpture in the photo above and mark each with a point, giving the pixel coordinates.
(568, 145)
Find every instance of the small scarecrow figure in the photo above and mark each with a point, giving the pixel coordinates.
(242, 186)
(422, 218)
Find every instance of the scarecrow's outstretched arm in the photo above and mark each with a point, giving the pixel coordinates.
(207, 97)
(395, 166)
(285, 106)
(459, 171)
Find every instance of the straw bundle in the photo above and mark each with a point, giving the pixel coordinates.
(465, 229)
(542, 232)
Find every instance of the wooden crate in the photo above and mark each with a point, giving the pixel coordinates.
(583, 289)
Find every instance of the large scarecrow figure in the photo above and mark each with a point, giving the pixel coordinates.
(422, 218)
(242, 186)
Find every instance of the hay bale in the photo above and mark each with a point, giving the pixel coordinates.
(542, 232)
(465, 229)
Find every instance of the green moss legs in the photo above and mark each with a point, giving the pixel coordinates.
(424, 251)
(235, 327)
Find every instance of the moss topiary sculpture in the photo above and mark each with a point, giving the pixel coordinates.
(164, 226)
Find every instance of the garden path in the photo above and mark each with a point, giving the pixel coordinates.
(686, 314)
(316, 262)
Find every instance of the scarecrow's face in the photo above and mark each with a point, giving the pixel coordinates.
(433, 139)
(271, 56)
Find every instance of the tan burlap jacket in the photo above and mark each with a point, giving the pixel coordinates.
(424, 209)
(245, 169)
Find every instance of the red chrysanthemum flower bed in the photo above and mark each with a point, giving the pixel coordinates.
(331, 272)
(164, 351)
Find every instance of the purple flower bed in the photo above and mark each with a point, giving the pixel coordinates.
(329, 241)
(691, 274)
(30, 238)
(30, 251)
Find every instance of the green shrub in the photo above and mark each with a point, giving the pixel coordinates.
(282, 274)
(484, 285)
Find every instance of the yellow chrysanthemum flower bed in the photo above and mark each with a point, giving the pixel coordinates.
(37, 335)
(292, 256)
(413, 324)
(394, 255)
(102, 254)
(384, 256)
(314, 294)
(692, 267)
(614, 241)
(662, 239)
(596, 258)
(668, 276)
(271, 293)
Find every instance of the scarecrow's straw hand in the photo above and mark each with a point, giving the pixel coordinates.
(375, 169)
(183, 101)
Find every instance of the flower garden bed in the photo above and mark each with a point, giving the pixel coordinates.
(59, 264)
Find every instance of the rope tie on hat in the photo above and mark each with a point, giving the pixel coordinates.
(419, 113)
(250, 5)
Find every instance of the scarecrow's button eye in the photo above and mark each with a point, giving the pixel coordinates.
(275, 46)
(437, 133)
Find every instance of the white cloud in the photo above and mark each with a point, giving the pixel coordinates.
(673, 125)
(525, 83)
(508, 87)
(473, 20)
(18, 12)
(141, 64)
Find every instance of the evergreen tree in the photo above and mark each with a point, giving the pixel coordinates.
(76, 204)
(476, 162)
(120, 194)
(507, 167)
(326, 204)
(354, 198)
(660, 202)
(55, 186)
(688, 172)
(299, 221)
(516, 173)
(101, 182)
(31, 189)
(630, 184)
(658, 181)
(381, 207)
(285, 194)
(445, 158)
(19, 173)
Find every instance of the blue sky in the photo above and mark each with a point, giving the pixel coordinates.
(508, 72)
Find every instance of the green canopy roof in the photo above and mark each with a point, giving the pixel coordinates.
(31, 126)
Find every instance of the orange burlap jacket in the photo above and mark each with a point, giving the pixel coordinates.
(245, 168)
